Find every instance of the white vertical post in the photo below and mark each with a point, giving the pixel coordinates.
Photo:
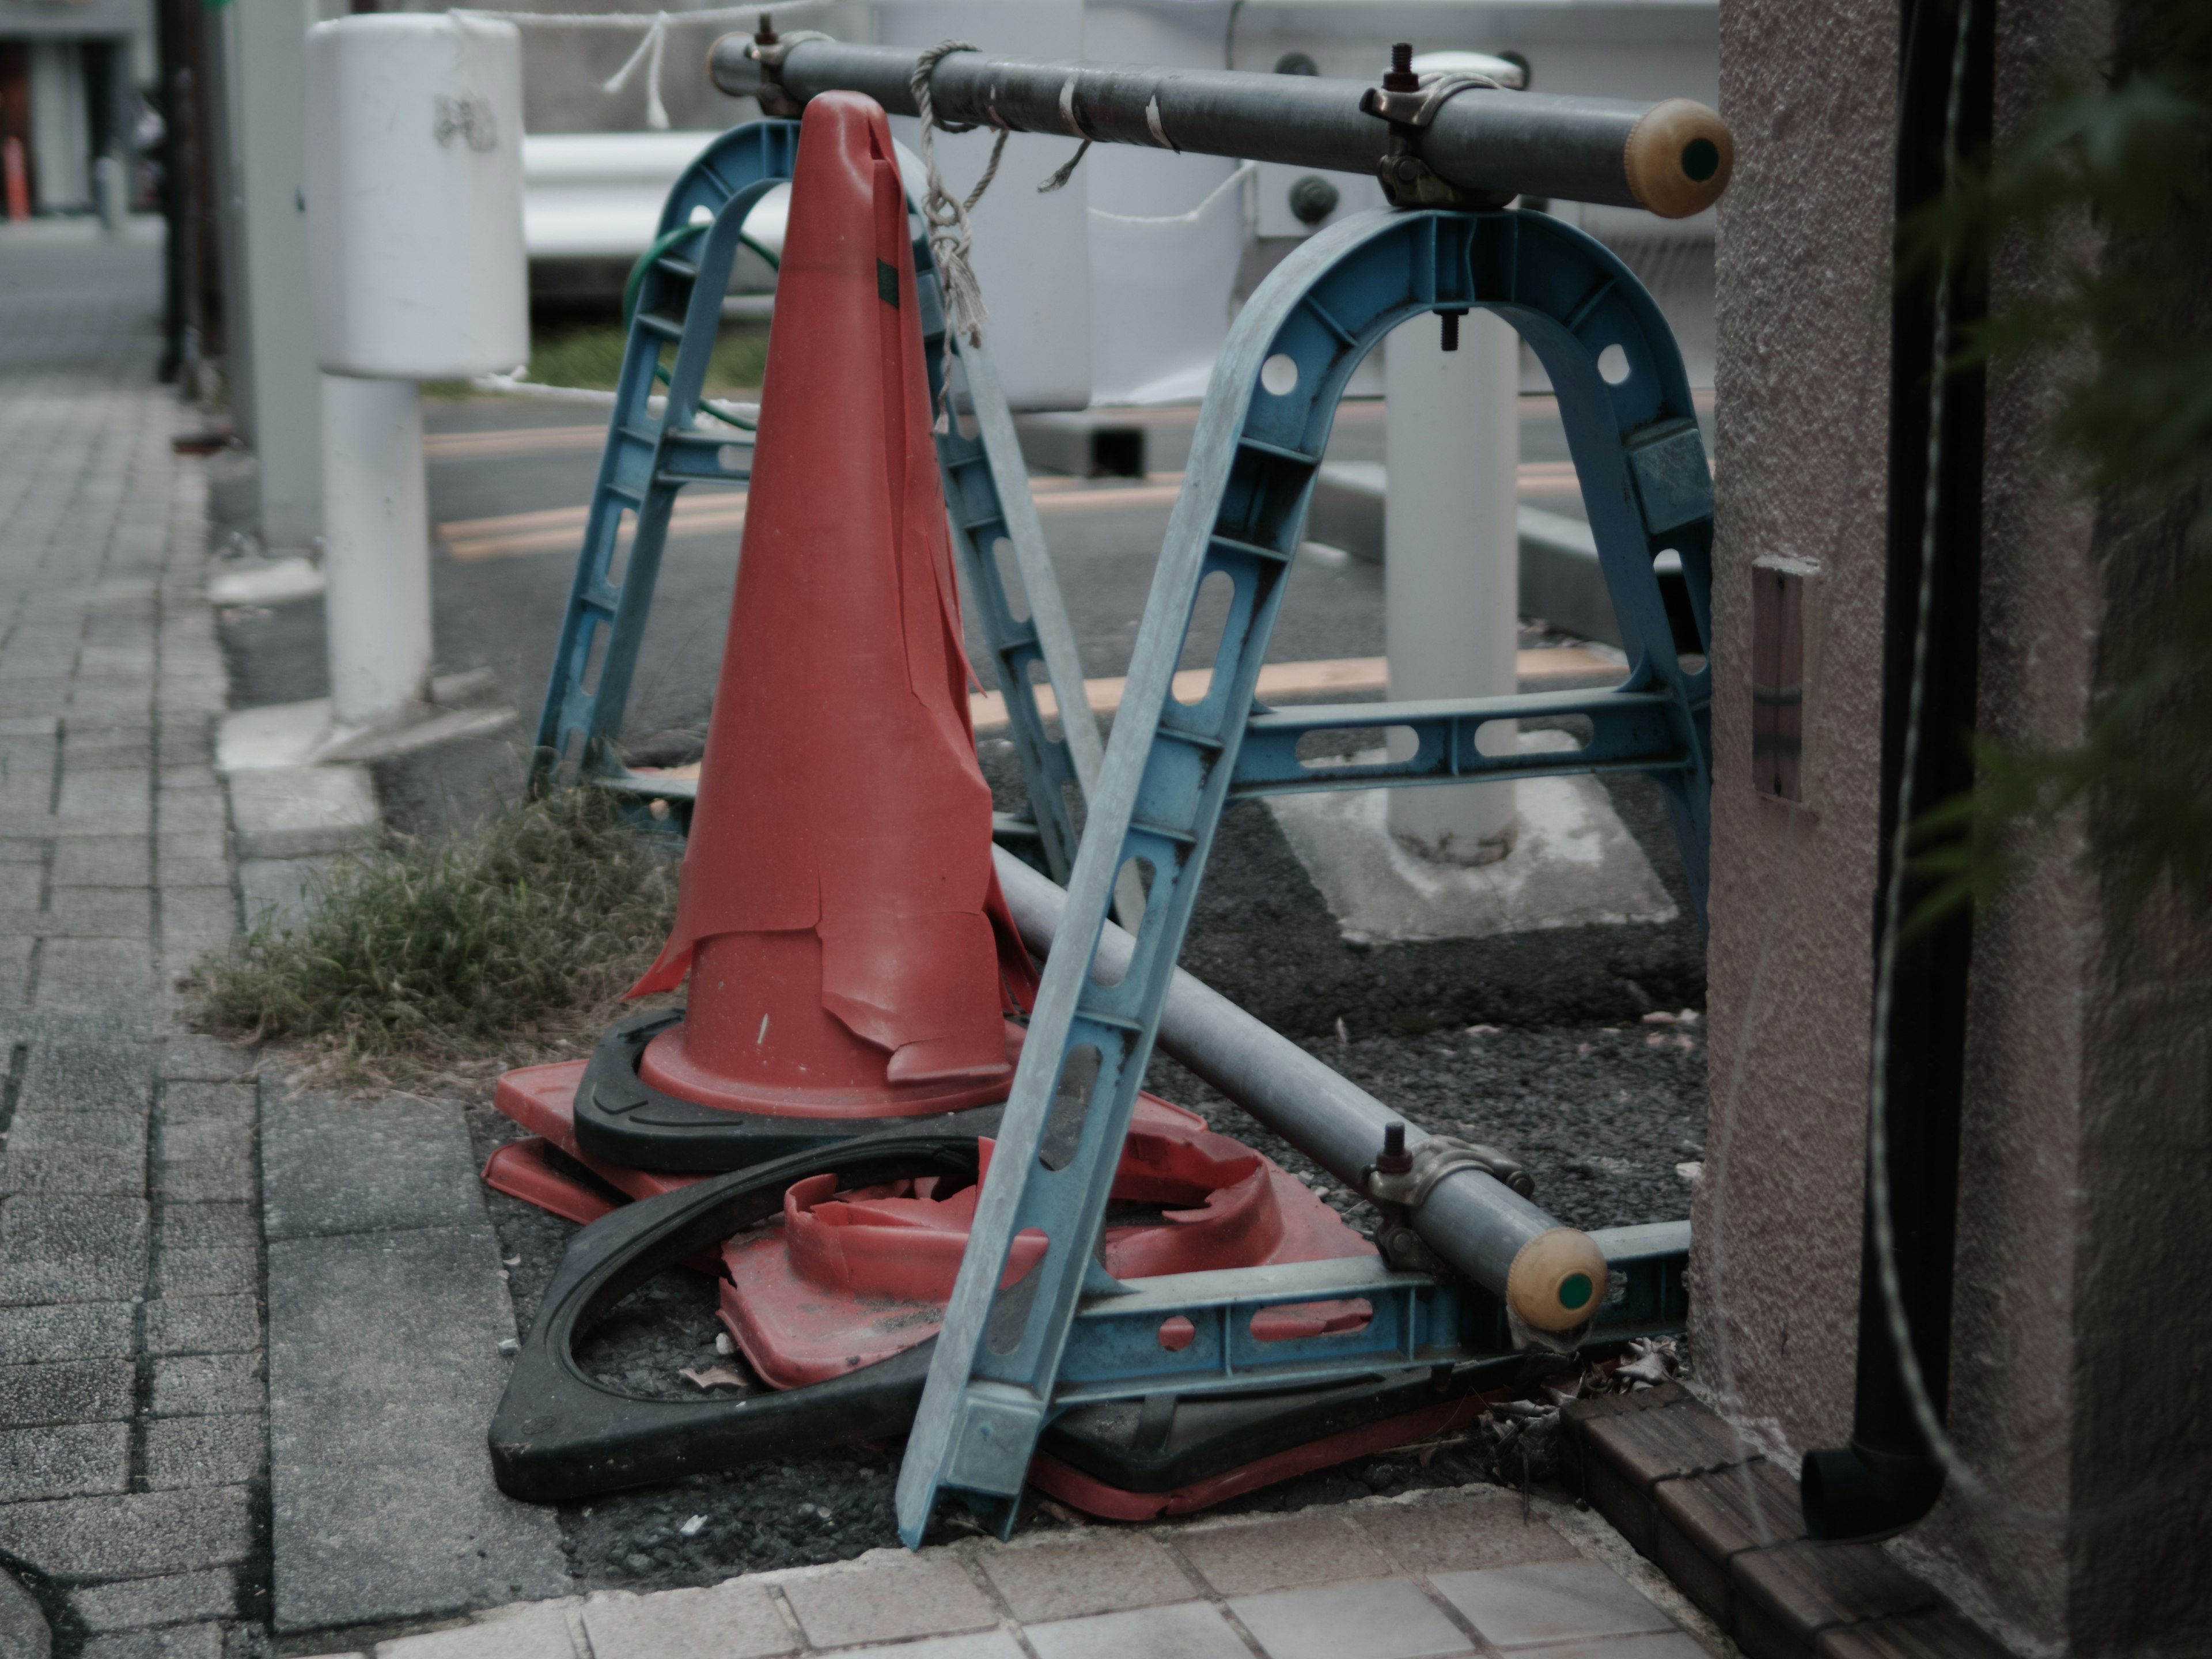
(1452, 558)
(376, 551)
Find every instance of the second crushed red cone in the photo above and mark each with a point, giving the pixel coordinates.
(848, 949)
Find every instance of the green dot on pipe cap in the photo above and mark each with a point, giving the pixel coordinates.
(1701, 159)
(1574, 1290)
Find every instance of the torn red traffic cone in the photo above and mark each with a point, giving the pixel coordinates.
(850, 953)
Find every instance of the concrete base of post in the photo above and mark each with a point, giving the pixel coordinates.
(376, 552)
(1452, 553)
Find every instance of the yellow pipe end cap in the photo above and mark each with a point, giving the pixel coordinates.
(1557, 1282)
(1679, 158)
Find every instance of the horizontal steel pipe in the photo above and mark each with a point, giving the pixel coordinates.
(1671, 157)
(1471, 1220)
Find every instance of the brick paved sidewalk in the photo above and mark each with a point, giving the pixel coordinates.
(1431, 1574)
(131, 1439)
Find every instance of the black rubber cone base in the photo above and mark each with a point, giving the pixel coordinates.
(621, 1118)
(559, 1434)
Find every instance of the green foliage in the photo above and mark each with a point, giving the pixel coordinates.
(590, 354)
(548, 911)
(2132, 157)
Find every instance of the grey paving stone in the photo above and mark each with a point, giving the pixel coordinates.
(193, 846)
(103, 976)
(104, 861)
(233, 1271)
(24, 1633)
(193, 809)
(72, 1249)
(1379, 1619)
(292, 811)
(64, 1460)
(331, 1164)
(203, 1324)
(201, 913)
(205, 1060)
(732, 1620)
(188, 1385)
(204, 1179)
(1550, 1602)
(196, 776)
(171, 1642)
(1098, 1571)
(121, 796)
(91, 1171)
(211, 871)
(384, 1369)
(100, 912)
(66, 1391)
(206, 1226)
(281, 890)
(196, 1102)
(44, 1131)
(1193, 1630)
(209, 1594)
(21, 887)
(889, 1599)
(83, 1330)
(204, 1452)
(136, 1534)
(523, 1634)
(103, 1076)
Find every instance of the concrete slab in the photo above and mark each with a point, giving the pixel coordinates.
(331, 1165)
(1573, 864)
(293, 811)
(383, 1369)
(269, 582)
(279, 890)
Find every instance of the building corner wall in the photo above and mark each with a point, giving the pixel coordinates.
(2079, 1328)
(1801, 459)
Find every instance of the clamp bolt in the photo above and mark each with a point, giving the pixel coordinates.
(1400, 77)
(1395, 1159)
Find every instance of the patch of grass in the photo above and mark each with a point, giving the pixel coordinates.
(533, 924)
(590, 354)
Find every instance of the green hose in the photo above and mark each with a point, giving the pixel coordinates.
(661, 247)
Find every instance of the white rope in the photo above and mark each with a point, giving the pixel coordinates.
(652, 51)
(649, 52)
(512, 385)
(1249, 170)
(951, 238)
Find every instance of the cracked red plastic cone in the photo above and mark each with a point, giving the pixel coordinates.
(850, 953)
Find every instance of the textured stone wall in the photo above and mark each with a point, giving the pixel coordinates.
(1802, 383)
(2075, 1391)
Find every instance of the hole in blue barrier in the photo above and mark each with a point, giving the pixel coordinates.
(1071, 1102)
(1613, 364)
(1279, 375)
(1201, 640)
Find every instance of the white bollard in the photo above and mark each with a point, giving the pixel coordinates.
(376, 551)
(1452, 557)
(414, 232)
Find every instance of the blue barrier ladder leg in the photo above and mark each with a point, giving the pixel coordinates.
(1171, 767)
(649, 459)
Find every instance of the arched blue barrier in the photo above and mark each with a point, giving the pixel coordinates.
(996, 1376)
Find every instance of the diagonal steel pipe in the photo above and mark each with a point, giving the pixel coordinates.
(1671, 157)
(1472, 1220)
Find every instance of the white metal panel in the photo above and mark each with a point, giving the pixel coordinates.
(414, 126)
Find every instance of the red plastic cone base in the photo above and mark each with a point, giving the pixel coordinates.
(850, 953)
(849, 1278)
(755, 1038)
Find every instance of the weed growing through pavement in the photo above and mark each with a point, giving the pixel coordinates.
(524, 930)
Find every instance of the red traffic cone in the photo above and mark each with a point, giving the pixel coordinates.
(849, 951)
